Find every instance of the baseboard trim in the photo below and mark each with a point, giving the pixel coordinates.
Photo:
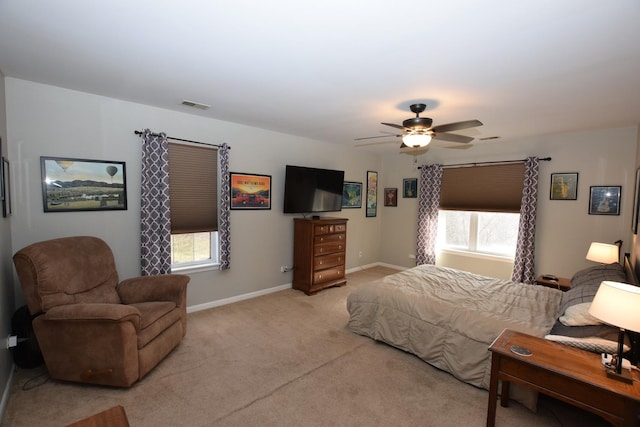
(225, 301)
(7, 392)
(230, 300)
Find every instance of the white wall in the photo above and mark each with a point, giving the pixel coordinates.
(7, 307)
(50, 121)
(565, 229)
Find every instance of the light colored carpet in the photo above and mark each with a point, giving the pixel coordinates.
(284, 359)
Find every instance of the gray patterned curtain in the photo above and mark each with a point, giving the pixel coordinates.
(523, 264)
(428, 205)
(224, 214)
(155, 217)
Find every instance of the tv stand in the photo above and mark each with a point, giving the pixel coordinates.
(319, 248)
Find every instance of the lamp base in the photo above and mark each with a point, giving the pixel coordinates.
(625, 376)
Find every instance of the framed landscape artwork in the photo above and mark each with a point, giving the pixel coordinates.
(604, 200)
(250, 191)
(351, 195)
(83, 185)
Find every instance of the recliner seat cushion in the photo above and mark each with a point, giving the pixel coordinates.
(155, 318)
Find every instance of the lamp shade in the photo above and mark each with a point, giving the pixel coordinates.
(617, 304)
(603, 252)
(417, 139)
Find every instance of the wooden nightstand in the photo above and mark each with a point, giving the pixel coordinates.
(562, 372)
(562, 283)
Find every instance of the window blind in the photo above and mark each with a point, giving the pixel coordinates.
(491, 188)
(193, 184)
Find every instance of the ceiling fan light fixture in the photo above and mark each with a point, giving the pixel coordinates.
(417, 139)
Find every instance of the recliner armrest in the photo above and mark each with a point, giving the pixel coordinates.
(94, 312)
(166, 287)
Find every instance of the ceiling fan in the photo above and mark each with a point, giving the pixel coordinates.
(417, 131)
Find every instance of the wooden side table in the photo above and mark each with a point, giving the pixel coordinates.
(562, 372)
(562, 283)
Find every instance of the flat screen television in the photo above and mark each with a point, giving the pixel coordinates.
(311, 190)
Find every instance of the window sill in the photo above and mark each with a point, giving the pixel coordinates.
(479, 255)
(185, 269)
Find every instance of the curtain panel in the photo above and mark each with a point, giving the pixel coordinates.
(428, 206)
(155, 214)
(523, 265)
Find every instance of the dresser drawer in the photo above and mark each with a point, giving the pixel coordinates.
(328, 261)
(329, 228)
(328, 275)
(336, 237)
(328, 248)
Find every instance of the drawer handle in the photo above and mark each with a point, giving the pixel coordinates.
(322, 239)
(321, 262)
(340, 237)
(321, 249)
(319, 276)
(339, 258)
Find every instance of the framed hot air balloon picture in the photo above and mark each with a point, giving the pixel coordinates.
(83, 185)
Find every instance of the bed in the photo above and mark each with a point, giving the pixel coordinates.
(449, 318)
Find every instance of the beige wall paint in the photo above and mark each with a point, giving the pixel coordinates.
(51, 121)
(565, 229)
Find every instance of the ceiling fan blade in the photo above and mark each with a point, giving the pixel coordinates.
(394, 126)
(363, 144)
(453, 137)
(456, 126)
(381, 136)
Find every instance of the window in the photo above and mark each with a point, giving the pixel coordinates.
(193, 192)
(492, 233)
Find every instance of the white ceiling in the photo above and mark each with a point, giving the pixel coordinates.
(332, 70)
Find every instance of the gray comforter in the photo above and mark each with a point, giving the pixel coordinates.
(449, 317)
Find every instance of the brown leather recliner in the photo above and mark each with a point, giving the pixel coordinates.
(90, 327)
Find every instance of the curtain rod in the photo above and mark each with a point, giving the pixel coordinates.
(505, 162)
(139, 133)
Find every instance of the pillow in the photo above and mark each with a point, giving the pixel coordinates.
(578, 315)
(585, 284)
(592, 344)
(594, 338)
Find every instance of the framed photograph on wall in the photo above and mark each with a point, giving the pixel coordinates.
(351, 195)
(372, 194)
(564, 186)
(83, 185)
(410, 188)
(604, 200)
(6, 187)
(391, 197)
(250, 191)
(636, 204)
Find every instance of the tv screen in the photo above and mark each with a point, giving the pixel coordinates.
(309, 190)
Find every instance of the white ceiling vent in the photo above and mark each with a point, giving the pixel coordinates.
(195, 105)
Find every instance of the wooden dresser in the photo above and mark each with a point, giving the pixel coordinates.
(319, 248)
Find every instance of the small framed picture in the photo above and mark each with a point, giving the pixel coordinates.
(351, 195)
(83, 185)
(372, 194)
(250, 191)
(604, 200)
(636, 204)
(391, 197)
(564, 186)
(410, 188)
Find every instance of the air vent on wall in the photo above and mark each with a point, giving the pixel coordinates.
(195, 105)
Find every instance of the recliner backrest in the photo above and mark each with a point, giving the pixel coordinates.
(67, 270)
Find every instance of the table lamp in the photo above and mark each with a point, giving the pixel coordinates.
(604, 253)
(618, 304)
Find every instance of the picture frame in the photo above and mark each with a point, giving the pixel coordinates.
(250, 191)
(636, 204)
(564, 186)
(372, 194)
(391, 197)
(604, 200)
(70, 184)
(351, 195)
(410, 188)
(5, 176)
